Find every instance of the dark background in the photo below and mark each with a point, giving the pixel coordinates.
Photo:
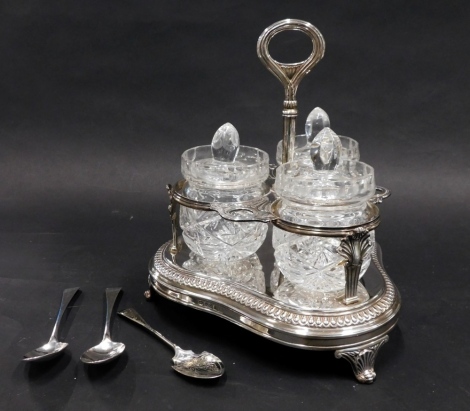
(97, 101)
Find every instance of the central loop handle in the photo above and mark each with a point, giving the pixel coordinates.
(290, 74)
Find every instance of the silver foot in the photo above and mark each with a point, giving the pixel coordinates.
(362, 359)
(148, 295)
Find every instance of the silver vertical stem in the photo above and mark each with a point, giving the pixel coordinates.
(288, 141)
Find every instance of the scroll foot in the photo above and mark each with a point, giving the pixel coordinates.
(362, 359)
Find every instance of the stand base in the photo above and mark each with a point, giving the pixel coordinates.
(355, 332)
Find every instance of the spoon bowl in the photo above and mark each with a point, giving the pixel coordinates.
(53, 347)
(45, 352)
(204, 365)
(105, 351)
(186, 362)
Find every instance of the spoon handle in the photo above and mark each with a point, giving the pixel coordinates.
(111, 295)
(134, 316)
(66, 298)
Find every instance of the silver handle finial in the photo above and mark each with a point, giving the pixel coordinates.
(290, 74)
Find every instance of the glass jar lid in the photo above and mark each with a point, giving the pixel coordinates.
(225, 164)
(350, 149)
(324, 178)
(317, 120)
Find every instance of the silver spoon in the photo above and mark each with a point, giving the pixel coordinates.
(53, 347)
(186, 362)
(106, 350)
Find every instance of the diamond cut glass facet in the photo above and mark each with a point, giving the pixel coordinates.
(225, 143)
(312, 261)
(213, 238)
(247, 271)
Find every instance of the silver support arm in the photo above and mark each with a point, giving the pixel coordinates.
(353, 248)
(174, 220)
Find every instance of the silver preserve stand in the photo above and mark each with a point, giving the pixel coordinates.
(354, 324)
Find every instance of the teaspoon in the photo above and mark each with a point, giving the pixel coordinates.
(53, 347)
(107, 349)
(186, 362)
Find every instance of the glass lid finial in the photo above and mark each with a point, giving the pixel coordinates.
(325, 150)
(225, 143)
(317, 120)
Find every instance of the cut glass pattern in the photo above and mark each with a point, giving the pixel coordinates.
(312, 261)
(212, 237)
(247, 271)
(306, 298)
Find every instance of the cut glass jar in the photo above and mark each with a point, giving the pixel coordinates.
(312, 195)
(223, 172)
